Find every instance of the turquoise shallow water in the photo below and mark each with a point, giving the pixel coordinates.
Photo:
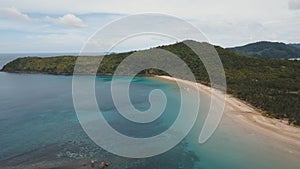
(39, 129)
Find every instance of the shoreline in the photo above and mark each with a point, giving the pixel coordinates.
(240, 112)
(70, 74)
(251, 118)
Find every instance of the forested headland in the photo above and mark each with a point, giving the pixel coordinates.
(271, 85)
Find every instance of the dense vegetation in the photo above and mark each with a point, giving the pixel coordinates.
(269, 50)
(297, 45)
(268, 84)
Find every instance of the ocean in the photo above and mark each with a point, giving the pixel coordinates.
(39, 129)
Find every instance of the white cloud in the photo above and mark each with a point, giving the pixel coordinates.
(294, 4)
(67, 20)
(71, 20)
(226, 23)
(13, 14)
(180, 8)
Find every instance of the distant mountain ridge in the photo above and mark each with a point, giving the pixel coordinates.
(267, 49)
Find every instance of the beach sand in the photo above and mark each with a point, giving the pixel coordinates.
(251, 118)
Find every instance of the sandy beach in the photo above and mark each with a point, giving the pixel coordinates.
(251, 118)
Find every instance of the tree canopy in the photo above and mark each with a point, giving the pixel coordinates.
(271, 85)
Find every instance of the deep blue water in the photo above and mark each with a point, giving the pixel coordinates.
(39, 129)
(39, 124)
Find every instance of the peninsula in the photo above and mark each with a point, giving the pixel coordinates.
(268, 84)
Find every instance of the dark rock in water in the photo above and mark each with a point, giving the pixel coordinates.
(46, 158)
(93, 163)
(103, 165)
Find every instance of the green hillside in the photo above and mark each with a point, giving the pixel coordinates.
(297, 45)
(269, 50)
(268, 84)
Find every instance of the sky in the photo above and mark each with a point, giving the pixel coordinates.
(66, 25)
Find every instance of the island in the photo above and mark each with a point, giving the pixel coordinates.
(268, 84)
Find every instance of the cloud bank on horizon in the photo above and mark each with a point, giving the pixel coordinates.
(64, 25)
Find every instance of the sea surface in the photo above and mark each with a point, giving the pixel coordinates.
(39, 129)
